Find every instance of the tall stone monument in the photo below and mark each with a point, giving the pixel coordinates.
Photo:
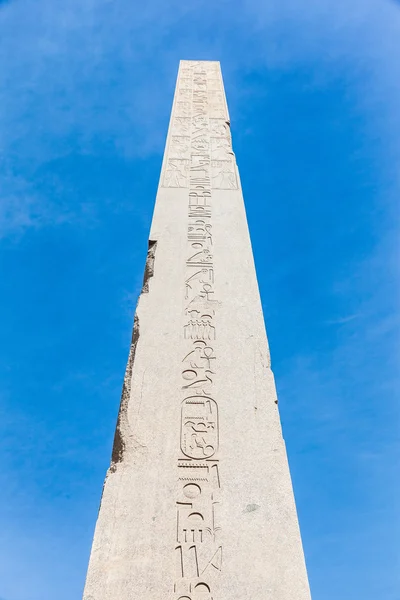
(198, 502)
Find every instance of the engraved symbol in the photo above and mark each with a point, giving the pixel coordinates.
(199, 328)
(196, 517)
(199, 232)
(215, 476)
(203, 302)
(200, 95)
(221, 148)
(195, 64)
(220, 127)
(199, 211)
(183, 109)
(179, 147)
(215, 562)
(185, 94)
(179, 562)
(199, 276)
(202, 587)
(192, 490)
(200, 144)
(199, 173)
(199, 197)
(200, 109)
(189, 567)
(206, 291)
(199, 84)
(213, 530)
(201, 352)
(185, 83)
(201, 258)
(197, 381)
(181, 125)
(200, 122)
(199, 427)
(195, 560)
(191, 523)
(200, 106)
(176, 173)
(199, 163)
(223, 175)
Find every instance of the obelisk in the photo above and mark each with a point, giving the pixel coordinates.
(198, 502)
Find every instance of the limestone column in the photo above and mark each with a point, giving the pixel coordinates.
(198, 502)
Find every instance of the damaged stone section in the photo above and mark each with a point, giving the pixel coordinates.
(122, 422)
(149, 268)
(119, 442)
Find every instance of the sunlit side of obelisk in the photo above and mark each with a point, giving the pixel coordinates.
(198, 501)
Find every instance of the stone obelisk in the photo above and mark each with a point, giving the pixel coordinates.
(198, 502)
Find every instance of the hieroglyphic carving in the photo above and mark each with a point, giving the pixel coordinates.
(185, 72)
(184, 94)
(221, 148)
(183, 109)
(196, 280)
(199, 326)
(181, 126)
(199, 427)
(176, 173)
(220, 127)
(185, 83)
(199, 83)
(200, 234)
(198, 149)
(200, 259)
(204, 302)
(224, 175)
(180, 146)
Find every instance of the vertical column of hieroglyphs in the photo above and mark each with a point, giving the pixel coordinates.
(199, 157)
(176, 163)
(184, 137)
(223, 162)
(198, 550)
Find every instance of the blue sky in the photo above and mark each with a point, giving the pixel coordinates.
(314, 94)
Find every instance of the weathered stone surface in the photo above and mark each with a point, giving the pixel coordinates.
(198, 502)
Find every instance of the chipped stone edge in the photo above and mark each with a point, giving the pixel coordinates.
(122, 426)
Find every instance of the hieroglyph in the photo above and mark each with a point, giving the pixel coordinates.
(199, 157)
(200, 145)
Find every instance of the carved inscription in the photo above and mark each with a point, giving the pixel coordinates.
(199, 427)
(224, 174)
(176, 173)
(200, 151)
(180, 146)
(181, 126)
(199, 158)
